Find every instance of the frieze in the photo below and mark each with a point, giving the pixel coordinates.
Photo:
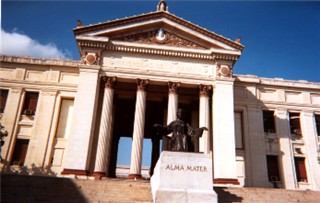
(168, 39)
(137, 62)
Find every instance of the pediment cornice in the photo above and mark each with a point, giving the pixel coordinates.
(152, 19)
(164, 51)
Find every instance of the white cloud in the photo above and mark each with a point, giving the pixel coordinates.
(15, 43)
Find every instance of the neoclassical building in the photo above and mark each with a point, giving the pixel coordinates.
(67, 116)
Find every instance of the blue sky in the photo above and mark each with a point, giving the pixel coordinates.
(281, 39)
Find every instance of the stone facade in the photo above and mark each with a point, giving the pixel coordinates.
(66, 117)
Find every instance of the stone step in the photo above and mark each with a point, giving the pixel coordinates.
(226, 195)
(23, 188)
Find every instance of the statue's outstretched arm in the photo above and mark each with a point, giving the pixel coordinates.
(198, 131)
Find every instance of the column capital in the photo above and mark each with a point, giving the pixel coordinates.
(281, 111)
(16, 90)
(173, 86)
(307, 113)
(109, 82)
(205, 90)
(142, 84)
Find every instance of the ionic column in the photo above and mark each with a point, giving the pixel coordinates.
(101, 167)
(286, 152)
(204, 143)
(309, 132)
(172, 102)
(138, 130)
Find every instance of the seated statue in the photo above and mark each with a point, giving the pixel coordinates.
(183, 135)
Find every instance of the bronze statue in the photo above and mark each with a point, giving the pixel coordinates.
(183, 135)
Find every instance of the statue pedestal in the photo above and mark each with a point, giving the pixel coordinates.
(183, 177)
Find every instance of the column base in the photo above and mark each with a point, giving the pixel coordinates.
(98, 175)
(135, 176)
(230, 181)
(74, 172)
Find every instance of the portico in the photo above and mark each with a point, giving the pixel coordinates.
(145, 78)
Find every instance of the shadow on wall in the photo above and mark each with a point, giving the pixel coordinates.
(24, 170)
(34, 188)
(225, 196)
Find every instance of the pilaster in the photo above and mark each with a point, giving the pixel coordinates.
(42, 127)
(256, 146)
(286, 152)
(309, 133)
(82, 127)
(224, 133)
(10, 118)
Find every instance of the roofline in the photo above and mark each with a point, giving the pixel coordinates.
(157, 14)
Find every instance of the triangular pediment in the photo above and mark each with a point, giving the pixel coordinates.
(144, 29)
(167, 39)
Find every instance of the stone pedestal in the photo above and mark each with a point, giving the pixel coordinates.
(183, 177)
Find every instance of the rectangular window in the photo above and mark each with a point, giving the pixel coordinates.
(317, 118)
(273, 168)
(30, 103)
(295, 123)
(269, 122)
(3, 99)
(20, 152)
(238, 129)
(300, 169)
(65, 117)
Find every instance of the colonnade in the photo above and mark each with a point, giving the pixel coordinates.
(105, 133)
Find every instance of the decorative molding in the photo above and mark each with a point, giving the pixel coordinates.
(224, 71)
(307, 113)
(173, 87)
(38, 61)
(110, 82)
(169, 39)
(152, 51)
(16, 90)
(49, 92)
(157, 15)
(142, 84)
(205, 90)
(90, 58)
(162, 6)
(280, 111)
(161, 52)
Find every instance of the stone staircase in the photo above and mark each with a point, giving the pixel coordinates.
(266, 195)
(24, 188)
